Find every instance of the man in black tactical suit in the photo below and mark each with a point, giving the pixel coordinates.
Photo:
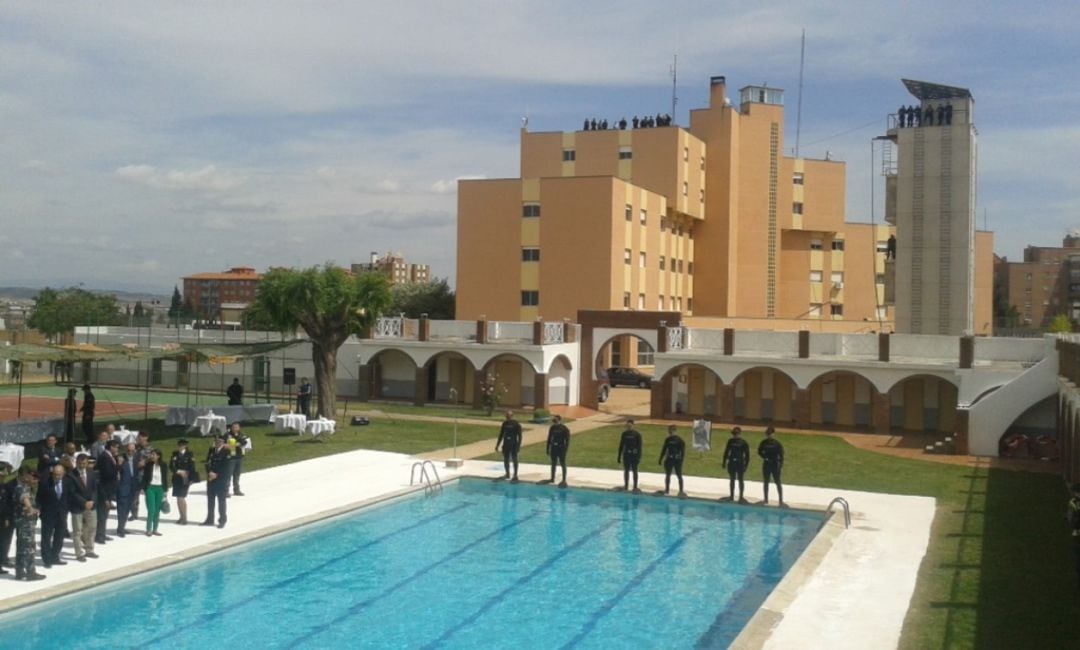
(510, 440)
(736, 459)
(558, 442)
(671, 457)
(630, 455)
(772, 455)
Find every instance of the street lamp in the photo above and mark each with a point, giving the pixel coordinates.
(454, 462)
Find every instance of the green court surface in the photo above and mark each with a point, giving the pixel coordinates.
(106, 394)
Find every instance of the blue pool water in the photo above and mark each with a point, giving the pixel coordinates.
(481, 565)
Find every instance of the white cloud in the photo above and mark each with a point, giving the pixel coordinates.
(207, 178)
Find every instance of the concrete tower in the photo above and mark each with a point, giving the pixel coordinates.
(931, 200)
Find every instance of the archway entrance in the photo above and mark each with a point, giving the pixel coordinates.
(692, 390)
(923, 403)
(842, 399)
(764, 394)
(393, 375)
(624, 365)
(451, 378)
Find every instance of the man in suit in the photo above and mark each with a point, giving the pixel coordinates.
(126, 487)
(235, 392)
(303, 398)
(53, 497)
(217, 481)
(50, 456)
(83, 516)
(107, 478)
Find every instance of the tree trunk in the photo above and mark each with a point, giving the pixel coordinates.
(324, 355)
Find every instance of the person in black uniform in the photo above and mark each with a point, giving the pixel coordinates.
(671, 457)
(7, 514)
(235, 392)
(87, 410)
(558, 442)
(303, 397)
(182, 466)
(630, 455)
(217, 481)
(510, 439)
(70, 408)
(772, 455)
(736, 459)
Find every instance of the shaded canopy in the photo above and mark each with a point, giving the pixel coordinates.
(213, 353)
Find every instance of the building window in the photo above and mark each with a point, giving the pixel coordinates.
(796, 207)
(629, 212)
(686, 153)
(530, 298)
(815, 276)
(703, 163)
(701, 196)
(626, 299)
(1027, 276)
(660, 303)
(625, 153)
(689, 268)
(530, 210)
(680, 266)
(879, 278)
(643, 216)
(530, 254)
(836, 310)
(882, 247)
(644, 354)
(641, 260)
(815, 244)
(797, 178)
(626, 255)
(837, 278)
(689, 304)
(815, 311)
(880, 313)
(685, 188)
(661, 262)
(641, 301)
(838, 244)
(569, 155)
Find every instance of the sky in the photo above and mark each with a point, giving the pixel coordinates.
(141, 142)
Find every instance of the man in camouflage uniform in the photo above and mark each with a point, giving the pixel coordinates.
(25, 519)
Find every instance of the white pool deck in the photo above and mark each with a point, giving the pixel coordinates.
(850, 589)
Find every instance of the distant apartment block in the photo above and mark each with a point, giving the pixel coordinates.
(221, 296)
(1045, 284)
(395, 268)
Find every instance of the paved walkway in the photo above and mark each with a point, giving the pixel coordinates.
(531, 434)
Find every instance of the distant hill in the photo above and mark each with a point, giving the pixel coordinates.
(28, 293)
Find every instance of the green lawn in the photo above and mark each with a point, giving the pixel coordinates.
(998, 572)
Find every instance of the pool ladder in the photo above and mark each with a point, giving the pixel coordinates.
(425, 478)
(847, 509)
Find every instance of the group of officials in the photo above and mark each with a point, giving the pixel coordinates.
(84, 487)
(736, 458)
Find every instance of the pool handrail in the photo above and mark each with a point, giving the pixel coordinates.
(847, 509)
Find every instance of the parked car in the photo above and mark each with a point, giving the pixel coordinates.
(618, 376)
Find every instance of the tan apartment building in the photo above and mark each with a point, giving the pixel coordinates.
(1045, 284)
(710, 221)
(395, 268)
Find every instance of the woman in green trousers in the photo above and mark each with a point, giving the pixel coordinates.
(153, 482)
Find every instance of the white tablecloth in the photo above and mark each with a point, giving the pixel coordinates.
(208, 423)
(254, 413)
(290, 422)
(321, 426)
(12, 455)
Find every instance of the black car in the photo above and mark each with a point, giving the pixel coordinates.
(618, 376)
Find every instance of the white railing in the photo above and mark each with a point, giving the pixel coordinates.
(847, 345)
(389, 328)
(1012, 349)
(510, 331)
(675, 338)
(554, 332)
(784, 344)
(452, 329)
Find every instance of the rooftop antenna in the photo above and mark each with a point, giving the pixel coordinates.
(674, 81)
(798, 108)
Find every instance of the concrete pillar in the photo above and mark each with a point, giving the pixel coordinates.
(883, 341)
(661, 338)
(538, 332)
(589, 386)
(725, 398)
(478, 389)
(540, 390)
(804, 344)
(729, 341)
(960, 435)
(424, 327)
(659, 396)
(880, 413)
(481, 331)
(802, 408)
(363, 376)
(568, 332)
(420, 386)
(967, 351)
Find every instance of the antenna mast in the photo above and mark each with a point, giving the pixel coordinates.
(798, 109)
(674, 81)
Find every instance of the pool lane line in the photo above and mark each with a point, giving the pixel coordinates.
(633, 584)
(755, 589)
(494, 600)
(319, 567)
(356, 607)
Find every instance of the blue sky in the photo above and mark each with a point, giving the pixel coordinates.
(140, 142)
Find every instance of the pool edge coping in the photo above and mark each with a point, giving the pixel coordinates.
(15, 603)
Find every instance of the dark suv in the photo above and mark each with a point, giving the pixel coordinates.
(618, 376)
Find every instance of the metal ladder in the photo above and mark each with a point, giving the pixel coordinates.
(847, 509)
(423, 477)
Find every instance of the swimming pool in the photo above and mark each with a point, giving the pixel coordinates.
(481, 565)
